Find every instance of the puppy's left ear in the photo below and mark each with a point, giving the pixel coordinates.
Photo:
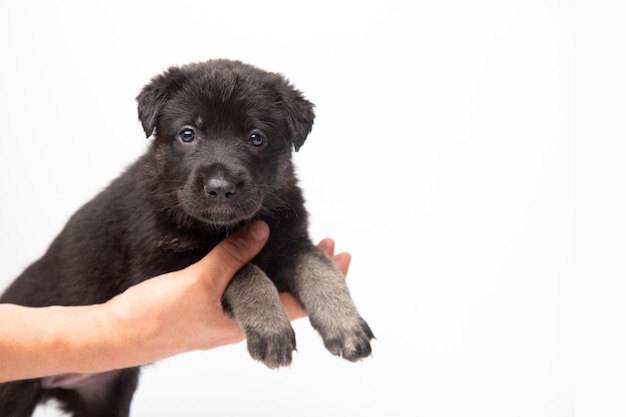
(151, 99)
(300, 115)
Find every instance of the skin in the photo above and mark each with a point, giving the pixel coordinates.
(163, 316)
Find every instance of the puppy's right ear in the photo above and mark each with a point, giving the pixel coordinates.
(153, 96)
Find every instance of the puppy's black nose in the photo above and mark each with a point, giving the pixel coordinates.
(219, 188)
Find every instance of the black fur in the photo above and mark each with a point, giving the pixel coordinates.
(223, 133)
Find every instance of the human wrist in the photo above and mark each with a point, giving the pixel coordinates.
(128, 334)
(89, 341)
(92, 339)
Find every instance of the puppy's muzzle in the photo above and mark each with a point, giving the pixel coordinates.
(220, 195)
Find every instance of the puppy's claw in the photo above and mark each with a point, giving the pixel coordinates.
(273, 350)
(352, 344)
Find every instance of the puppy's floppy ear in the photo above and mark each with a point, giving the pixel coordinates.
(153, 96)
(300, 115)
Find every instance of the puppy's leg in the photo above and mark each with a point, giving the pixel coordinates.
(322, 290)
(253, 300)
(105, 395)
(19, 398)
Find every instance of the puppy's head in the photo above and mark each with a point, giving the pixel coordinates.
(223, 136)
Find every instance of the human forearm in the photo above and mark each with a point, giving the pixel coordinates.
(44, 341)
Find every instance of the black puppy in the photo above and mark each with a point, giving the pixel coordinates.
(223, 134)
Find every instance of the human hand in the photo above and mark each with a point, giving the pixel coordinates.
(182, 310)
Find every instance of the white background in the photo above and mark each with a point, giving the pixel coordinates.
(446, 157)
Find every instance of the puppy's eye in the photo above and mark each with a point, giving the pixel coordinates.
(187, 135)
(257, 138)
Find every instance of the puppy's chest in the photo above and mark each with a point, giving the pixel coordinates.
(166, 253)
(178, 244)
(177, 252)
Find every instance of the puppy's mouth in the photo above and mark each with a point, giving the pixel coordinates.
(219, 212)
(222, 217)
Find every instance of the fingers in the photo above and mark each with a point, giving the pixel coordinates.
(342, 260)
(230, 255)
(327, 246)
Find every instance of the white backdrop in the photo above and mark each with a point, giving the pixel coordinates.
(441, 158)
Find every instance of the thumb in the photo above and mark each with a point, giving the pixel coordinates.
(231, 254)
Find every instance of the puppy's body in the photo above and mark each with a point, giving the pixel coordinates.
(221, 157)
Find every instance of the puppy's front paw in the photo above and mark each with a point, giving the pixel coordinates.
(274, 349)
(351, 342)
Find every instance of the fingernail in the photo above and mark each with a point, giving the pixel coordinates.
(259, 230)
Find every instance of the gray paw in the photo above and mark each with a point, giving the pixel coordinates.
(273, 349)
(349, 342)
